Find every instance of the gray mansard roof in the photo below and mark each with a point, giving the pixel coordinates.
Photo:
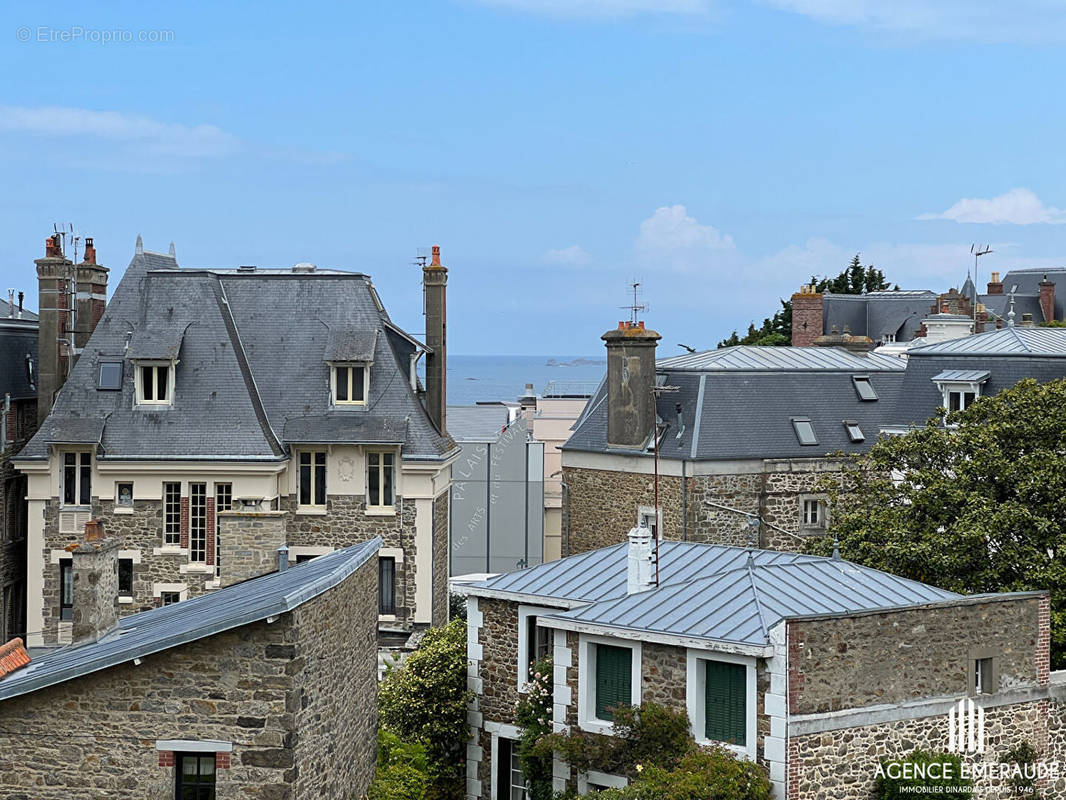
(739, 402)
(18, 341)
(877, 314)
(252, 374)
(1026, 283)
(140, 635)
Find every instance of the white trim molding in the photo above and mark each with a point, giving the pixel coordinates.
(524, 613)
(695, 688)
(308, 550)
(193, 746)
(474, 751)
(586, 680)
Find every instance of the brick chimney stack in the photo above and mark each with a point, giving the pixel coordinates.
(995, 285)
(435, 286)
(630, 380)
(806, 316)
(91, 282)
(54, 277)
(1047, 299)
(95, 574)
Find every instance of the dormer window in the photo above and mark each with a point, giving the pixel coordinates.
(959, 388)
(154, 383)
(351, 382)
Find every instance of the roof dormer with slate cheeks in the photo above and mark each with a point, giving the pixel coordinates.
(350, 356)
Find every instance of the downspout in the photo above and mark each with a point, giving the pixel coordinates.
(566, 517)
(684, 503)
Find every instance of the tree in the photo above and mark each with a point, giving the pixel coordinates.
(424, 701)
(972, 506)
(776, 331)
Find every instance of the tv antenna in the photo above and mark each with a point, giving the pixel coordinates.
(636, 306)
(978, 250)
(422, 255)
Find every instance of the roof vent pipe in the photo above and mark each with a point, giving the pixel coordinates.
(638, 561)
(283, 558)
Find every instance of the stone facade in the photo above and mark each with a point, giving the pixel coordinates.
(440, 559)
(604, 503)
(248, 543)
(95, 579)
(296, 698)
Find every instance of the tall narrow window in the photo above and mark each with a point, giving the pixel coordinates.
(154, 384)
(194, 776)
(982, 674)
(510, 783)
(386, 585)
(172, 514)
(66, 589)
(198, 522)
(725, 718)
(380, 479)
(614, 679)
(349, 385)
(313, 478)
(77, 479)
(125, 577)
(812, 513)
(538, 640)
(223, 502)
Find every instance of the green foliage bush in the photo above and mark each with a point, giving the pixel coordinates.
(700, 774)
(533, 714)
(899, 779)
(403, 770)
(425, 701)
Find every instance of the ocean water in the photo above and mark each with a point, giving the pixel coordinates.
(474, 378)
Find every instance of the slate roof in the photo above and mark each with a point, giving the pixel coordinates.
(1027, 294)
(706, 591)
(15, 344)
(252, 350)
(480, 423)
(140, 635)
(738, 402)
(1047, 342)
(11, 311)
(962, 375)
(876, 314)
(351, 345)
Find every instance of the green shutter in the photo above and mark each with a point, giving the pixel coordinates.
(725, 715)
(613, 679)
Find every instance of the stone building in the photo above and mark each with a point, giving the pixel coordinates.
(745, 434)
(816, 668)
(288, 392)
(265, 689)
(18, 421)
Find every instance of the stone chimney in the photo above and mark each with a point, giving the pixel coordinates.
(995, 285)
(1047, 299)
(54, 276)
(435, 286)
(807, 318)
(95, 574)
(248, 543)
(630, 380)
(91, 285)
(638, 561)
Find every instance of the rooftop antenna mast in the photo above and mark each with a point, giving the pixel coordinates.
(978, 250)
(636, 307)
(64, 230)
(422, 255)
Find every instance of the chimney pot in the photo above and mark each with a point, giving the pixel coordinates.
(94, 530)
(22, 296)
(90, 251)
(435, 261)
(283, 558)
(638, 561)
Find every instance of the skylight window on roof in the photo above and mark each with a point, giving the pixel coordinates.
(110, 375)
(863, 387)
(854, 431)
(804, 430)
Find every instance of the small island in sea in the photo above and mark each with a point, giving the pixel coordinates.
(577, 362)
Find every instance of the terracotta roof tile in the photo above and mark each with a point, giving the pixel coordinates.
(12, 656)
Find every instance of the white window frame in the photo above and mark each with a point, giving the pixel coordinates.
(524, 613)
(395, 479)
(695, 699)
(350, 365)
(823, 512)
(586, 680)
(647, 514)
(947, 389)
(138, 382)
(299, 480)
(77, 477)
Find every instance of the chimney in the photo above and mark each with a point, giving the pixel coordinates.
(54, 279)
(22, 297)
(283, 558)
(807, 317)
(91, 280)
(1027, 320)
(630, 380)
(995, 285)
(10, 303)
(1047, 299)
(90, 251)
(638, 561)
(435, 286)
(95, 574)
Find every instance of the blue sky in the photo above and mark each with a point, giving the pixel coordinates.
(720, 151)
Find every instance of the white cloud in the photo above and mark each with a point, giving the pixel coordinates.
(603, 8)
(1016, 207)
(573, 256)
(959, 20)
(671, 239)
(147, 136)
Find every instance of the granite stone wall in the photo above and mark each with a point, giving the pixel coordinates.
(296, 698)
(440, 558)
(604, 505)
(248, 543)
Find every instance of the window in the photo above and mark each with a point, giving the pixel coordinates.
(647, 518)
(66, 589)
(154, 384)
(888, 338)
(194, 776)
(313, 478)
(172, 514)
(813, 513)
(77, 479)
(223, 502)
(349, 385)
(982, 673)
(725, 702)
(380, 479)
(804, 430)
(124, 495)
(386, 585)
(125, 577)
(305, 558)
(198, 522)
(960, 400)
(614, 671)
(169, 598)
(863, 387)
(510, 785)
(538, 640)
(110, 375)
(855, 433)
